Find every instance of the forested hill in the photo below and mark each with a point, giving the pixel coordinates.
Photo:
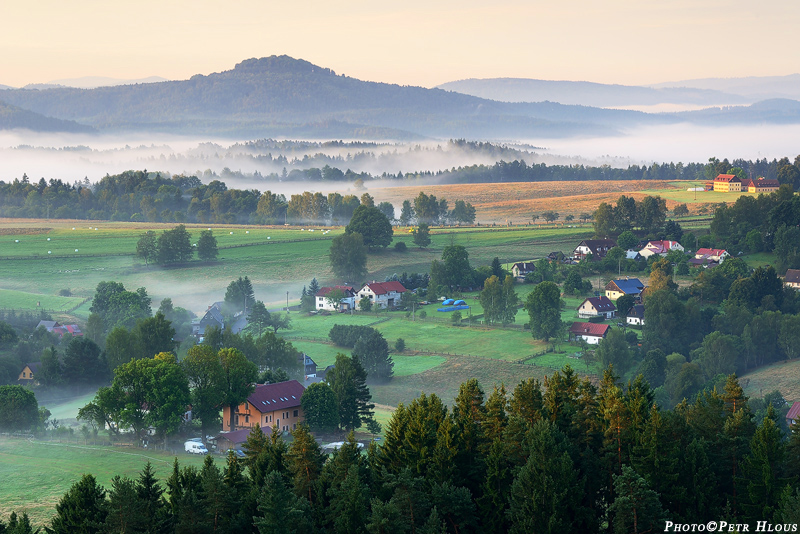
(279, 95)
(12, 117)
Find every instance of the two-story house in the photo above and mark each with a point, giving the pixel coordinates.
(348, 302)
(596, 306)
(521, 269)
(269, 405)
(596, 247)
(624, 286)
(383, 294)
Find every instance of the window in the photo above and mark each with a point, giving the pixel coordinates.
(296, 413)
(294, 426)
(246, 418)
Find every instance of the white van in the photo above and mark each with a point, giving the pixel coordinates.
(195, 447)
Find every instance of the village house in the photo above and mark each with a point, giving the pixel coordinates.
(60, 330)
(727, 183)
(708, 257)
(383, 294)
(521, 269)
(592, 333)
(557, 256)
(624, 286)
(345, 304)
(792, 278)
(596, 247)
(661, 248)
(633, 255)
(597, 306)
(309, 365)
(26, 377)
(269, 405)
(636, 315)
(793, 414)
(213, 317)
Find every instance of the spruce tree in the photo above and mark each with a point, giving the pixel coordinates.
(151, 494)
(82, 509)
(215, 497)
(348, 511)
(636, 507)
(126, 512)
(348, 380)
(304, 461)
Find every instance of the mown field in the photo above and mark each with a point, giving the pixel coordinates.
(21, 300)
(783, 376)
(34, 474)
(285, 262)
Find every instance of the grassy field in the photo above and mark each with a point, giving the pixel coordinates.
(276, 267)
(34, 475)
(20, 300)
(783, 376)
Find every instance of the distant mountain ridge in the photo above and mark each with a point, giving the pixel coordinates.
(754, 87)
(270, 95)
(279, 96)
(588, 93)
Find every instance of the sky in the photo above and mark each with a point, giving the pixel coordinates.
(410, 42)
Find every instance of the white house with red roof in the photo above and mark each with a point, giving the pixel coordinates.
(383, 294)
(346, 303)
(707, 257)
(661, 248)
(592, 333)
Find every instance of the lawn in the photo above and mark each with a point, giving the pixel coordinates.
(34, 475)
(21, 300)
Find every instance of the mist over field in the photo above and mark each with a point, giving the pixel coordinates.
(248, 164)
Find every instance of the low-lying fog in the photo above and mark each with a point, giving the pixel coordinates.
(244, 164)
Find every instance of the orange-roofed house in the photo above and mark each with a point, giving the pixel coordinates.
(793, 414)
(727, 183)
(383, 294)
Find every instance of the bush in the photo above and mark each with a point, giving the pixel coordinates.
(597, 319)
(65, 293)
(400, 344)
(347, 335)
(631, 338)
(423, 314)
(400, 246)
(456, 317)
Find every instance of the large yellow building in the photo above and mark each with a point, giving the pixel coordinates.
(727, 183)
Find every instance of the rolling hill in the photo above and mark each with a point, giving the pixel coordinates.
(279, 95)
(12, 118)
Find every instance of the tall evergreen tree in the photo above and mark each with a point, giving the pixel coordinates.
(348, 380)
(282, 512)
(636, 507)
(82, 509)
(126, 513)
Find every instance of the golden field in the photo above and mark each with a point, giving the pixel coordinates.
(516, 202)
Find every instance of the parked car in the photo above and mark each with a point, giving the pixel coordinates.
(195, 447)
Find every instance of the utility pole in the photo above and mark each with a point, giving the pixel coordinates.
(287, 303)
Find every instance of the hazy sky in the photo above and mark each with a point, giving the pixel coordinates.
(414, 42)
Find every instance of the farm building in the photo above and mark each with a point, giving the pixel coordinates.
(383, 294)
(596, 306)
(792, 278)
(596, 247)
(636, 315)
(235, 440)
(346, 303)
(761, 185)
(727, 183)
(592, 333)
(269, 405)
(624, 286)
(26, 377)
(521, 269)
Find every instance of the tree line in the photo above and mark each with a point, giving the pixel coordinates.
(564, 456)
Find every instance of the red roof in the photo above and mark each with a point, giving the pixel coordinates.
(348, 290)
(726, 178)
(589, 329)
(271, 397)
(238, 437)
(710, 252)
(381, 288)
(794, 412)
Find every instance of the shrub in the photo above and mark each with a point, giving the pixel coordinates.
(348, 335)
(422, 314)
(65, 293)
(400, 344)
(456, 317)
(400, 246)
